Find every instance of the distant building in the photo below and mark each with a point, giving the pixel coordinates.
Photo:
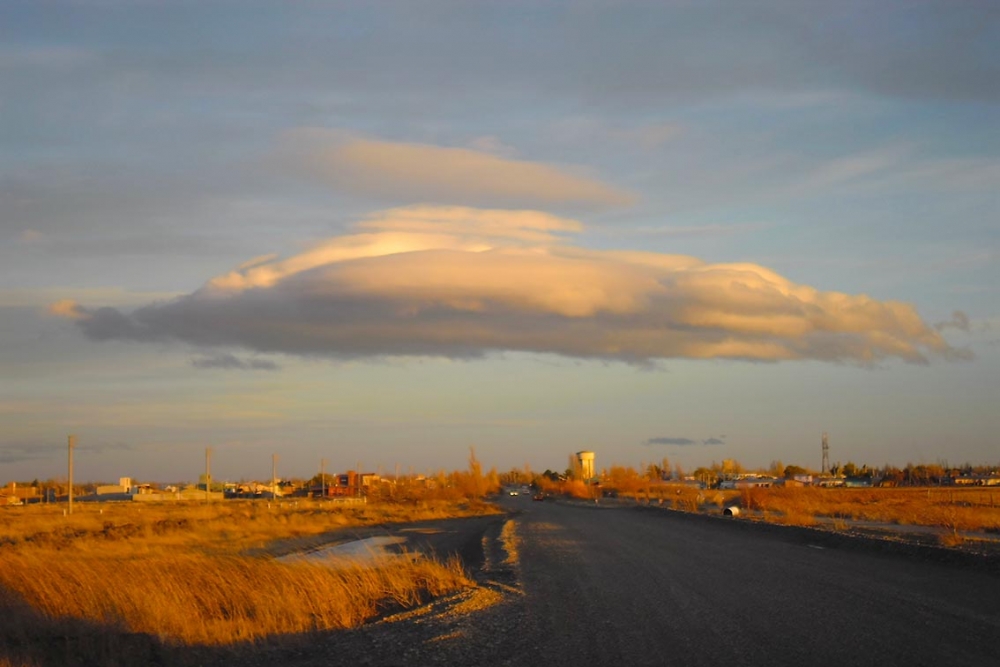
(12, 494)
(974, 480)
(350, 483)
(755, 482)
(124, 486)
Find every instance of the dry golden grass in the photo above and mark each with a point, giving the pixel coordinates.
(199, 599)
(197, 575)
(791, 518)
(222, 527)
(511, 542)
(964, 509)
(954, 510)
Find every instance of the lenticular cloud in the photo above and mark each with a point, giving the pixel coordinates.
(461, 282)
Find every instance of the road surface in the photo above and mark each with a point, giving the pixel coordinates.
(630, 587)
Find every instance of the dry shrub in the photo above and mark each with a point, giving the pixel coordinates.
(951, 539)
(754, 498)
(685, 498)
(575, 488)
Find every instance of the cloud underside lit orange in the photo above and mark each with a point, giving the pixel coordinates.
(458, 282)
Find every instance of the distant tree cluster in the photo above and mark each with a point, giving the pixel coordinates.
(631, 481)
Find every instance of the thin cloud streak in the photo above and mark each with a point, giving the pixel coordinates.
(19, 452)
(469, 282)
(226, 361)
(684, 442)
(412, 172)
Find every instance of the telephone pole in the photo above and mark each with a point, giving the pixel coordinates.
(208, 473)
(274, 476)
(72, 444)
(322, 477)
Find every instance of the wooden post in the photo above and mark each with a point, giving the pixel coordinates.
(322, 478)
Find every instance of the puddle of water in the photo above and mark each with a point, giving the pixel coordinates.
(364, 552)
(422, 531)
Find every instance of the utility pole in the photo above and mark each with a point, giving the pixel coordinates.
(208, 473)
(72, 444)
(322, 477)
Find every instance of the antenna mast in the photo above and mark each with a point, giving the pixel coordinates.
(826, 454)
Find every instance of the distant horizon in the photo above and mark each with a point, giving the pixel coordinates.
(409, 471)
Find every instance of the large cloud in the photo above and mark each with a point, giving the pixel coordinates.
(410, 172)
(460, 282)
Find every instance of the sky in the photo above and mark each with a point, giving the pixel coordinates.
(382, 233)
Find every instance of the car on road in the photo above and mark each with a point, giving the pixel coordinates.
(539, 496)
(513, 492)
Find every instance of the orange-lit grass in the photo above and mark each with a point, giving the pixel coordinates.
(182, 573)
(221, 527)
(791, 518)
(213, 600)
(511, 542)
(952, 509)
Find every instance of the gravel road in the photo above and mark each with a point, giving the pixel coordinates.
(646, 588)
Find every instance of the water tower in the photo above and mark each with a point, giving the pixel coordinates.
(586, 461)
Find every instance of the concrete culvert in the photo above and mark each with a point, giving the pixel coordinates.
(732, 510)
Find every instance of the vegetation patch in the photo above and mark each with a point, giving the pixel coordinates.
(124, 583)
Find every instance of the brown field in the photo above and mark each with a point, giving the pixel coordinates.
(195, 575)
(954, 511)
(953, 514)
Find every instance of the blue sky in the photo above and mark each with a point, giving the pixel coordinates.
(386, 232)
